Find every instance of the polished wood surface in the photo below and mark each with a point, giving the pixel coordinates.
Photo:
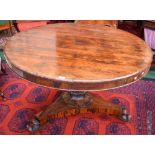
(113, 23)
(72, 56)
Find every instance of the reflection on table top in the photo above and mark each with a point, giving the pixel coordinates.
(78, 53)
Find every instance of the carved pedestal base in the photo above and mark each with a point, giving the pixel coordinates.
(73, 103)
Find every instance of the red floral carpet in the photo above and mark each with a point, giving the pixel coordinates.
(24, 99)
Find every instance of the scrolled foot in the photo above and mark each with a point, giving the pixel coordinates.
(33, 125)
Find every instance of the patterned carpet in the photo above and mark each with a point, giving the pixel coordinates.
(24, 99)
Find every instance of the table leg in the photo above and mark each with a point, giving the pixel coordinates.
(4, 72)
(72, 103)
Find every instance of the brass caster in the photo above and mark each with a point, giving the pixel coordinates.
(33, 125)
(2, 96)
(125, 116)
(4, 99)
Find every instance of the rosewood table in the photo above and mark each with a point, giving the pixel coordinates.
(78, 59)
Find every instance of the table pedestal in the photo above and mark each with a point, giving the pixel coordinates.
(2, 70)
(74, 102)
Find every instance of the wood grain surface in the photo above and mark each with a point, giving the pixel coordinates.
(72, 56)
(113, 23)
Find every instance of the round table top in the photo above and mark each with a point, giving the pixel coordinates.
(71, 56)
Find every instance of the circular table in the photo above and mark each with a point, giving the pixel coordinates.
(78, 59)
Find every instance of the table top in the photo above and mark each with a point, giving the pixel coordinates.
(71, 56)
(113, 23)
